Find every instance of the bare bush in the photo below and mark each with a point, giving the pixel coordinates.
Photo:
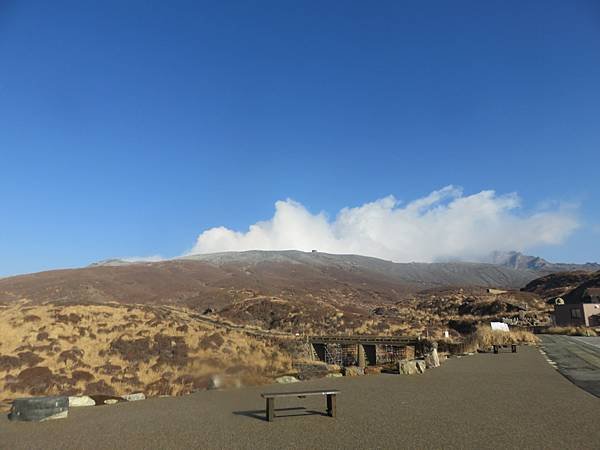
(571, 331)
(484, 338)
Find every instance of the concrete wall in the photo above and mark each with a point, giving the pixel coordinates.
(591, 312)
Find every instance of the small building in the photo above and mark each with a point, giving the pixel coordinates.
(577, 314)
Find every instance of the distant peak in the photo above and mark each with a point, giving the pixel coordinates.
(519, 261)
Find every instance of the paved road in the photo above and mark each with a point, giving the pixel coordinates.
(577, 358)
(482, 401)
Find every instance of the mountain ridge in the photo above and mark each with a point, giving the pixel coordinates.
(518, 260)
(201, 279)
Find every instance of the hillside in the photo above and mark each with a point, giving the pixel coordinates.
(217, 280)
(573, 287)
(169, 327)
(290, 291)
(114, 349)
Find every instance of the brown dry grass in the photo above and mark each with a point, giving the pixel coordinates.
(571, 331)
(485, 337)
(127, 348)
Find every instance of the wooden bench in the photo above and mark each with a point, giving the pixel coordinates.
(270, 397)
(513, 347)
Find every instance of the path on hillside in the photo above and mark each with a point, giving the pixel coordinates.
(509, 400)
(577, 358)
(247, 329)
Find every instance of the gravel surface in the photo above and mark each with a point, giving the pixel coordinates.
(481, 401)
(577, 358)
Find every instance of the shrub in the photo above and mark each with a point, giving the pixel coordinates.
(571, 331)
(484, 337)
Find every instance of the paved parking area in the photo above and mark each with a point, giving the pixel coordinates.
(577, 358)
(509, 400)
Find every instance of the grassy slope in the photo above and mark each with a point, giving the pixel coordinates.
(119, 349)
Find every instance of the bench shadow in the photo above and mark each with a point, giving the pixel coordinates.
(261, 414)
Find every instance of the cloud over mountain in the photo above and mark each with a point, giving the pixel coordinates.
(446, 224)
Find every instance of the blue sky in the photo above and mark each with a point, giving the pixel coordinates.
(129, 128)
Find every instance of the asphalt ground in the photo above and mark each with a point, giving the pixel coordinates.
(508, 400)
(577, 358)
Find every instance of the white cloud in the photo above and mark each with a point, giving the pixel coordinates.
(442, 225)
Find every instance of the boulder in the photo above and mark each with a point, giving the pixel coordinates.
(111, 401)
(286, 379)
(372, 370)
(81, 400)
(215, 382)
(312, 370)
(406, 367)
(134, 397)
(432, 359)
(353, 371)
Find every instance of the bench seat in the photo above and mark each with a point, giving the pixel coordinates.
(271, 396)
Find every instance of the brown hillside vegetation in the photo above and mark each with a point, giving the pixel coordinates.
(118, 349)
(573, 287)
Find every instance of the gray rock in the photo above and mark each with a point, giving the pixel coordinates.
(81, 400)
(134, 397)
(432, 359)
(353, 371)
(215, 382)
(286, 379)
(406, 367)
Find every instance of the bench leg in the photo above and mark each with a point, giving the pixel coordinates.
(495, 349)
(270, 409)
(513, 348)
(331, 406)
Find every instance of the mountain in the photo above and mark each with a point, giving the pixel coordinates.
(216, 280)
(411, 275)
(519, 261)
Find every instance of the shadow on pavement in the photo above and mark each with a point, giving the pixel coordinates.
(261, 414)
